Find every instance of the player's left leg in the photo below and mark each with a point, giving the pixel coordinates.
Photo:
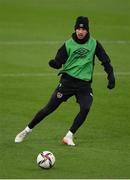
(85, 101)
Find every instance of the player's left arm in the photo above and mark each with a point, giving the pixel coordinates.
(106, 62)
(60, 58)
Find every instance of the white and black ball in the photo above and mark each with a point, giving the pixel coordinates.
(46, 159)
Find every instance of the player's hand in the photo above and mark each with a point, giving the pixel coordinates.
(55, 64)
(52, 63)
(111, 81)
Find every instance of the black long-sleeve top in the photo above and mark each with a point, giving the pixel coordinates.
(62, 56)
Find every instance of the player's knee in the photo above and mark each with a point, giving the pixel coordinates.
(84, 109)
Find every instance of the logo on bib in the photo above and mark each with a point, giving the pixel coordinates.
(81, 52)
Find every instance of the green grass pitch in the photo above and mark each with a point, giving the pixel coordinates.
(31, 31)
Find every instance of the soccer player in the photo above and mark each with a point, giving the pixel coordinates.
(76, 58)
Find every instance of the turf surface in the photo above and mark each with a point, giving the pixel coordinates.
(31, 31)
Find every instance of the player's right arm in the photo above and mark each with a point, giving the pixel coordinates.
(60, 58)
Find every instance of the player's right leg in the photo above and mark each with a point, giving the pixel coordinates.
(55, 100)
(22, 135)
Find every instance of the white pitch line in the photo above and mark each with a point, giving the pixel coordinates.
(27, 74)
(116, 41)
(55, 74)
(51, 42)
(29, 42)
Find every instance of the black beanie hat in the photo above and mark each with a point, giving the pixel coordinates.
(82, 22)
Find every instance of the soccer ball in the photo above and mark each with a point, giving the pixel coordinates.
(46, 159)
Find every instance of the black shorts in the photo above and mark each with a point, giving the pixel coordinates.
(82, 93)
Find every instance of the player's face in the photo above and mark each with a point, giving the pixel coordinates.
(81, 33)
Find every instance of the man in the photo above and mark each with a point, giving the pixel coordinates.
(77, 58)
